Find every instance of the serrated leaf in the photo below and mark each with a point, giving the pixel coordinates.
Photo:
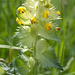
(42, 45)
(17, 66)
(24, 65)
(21, 66)
(5, 39)
(24, 37)
(29, 4)
(52, 14)
(48, 59)
(10, 69)
(2, 64)
(47, 34)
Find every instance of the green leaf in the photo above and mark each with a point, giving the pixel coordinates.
(17, 67)
(49, 5)
(31, 63)
(47, 34)
(42, 45)
(24, 37)
(48, 58)
(2, 72)
(34, 30)
(10, 69)
(21, 66)
(5, 39)
(24, 65)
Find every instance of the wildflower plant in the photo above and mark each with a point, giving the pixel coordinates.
(35, 18)
(35, 31)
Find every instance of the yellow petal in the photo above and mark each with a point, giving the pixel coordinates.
(33, 20)
(46, 14)
(48, 26)
(21, 9)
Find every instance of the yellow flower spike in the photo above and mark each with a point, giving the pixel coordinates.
(58, 13)
(21, 10)
(48, 26)
(18, 21)
(33, 20)
(57, 28)
(46, 14)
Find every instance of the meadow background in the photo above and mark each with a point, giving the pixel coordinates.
(65, 48)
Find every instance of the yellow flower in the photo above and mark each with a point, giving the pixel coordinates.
(48, 26)
(33, 20)
(36, 6)
(46, 14)
(57, 28)
(58, 13)
(18, 21)
(21, 10)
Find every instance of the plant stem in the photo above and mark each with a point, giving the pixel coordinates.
(1, 59)
(34, 56)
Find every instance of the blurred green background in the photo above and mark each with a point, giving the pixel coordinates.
(65, 49)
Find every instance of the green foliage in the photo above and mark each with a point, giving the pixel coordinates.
(21, 66)
(29, 35)
(48, 58)
(47, 34)
(64, 48)
(24, 37)
(42, 45)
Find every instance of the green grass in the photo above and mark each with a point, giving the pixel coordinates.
(65, 48)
